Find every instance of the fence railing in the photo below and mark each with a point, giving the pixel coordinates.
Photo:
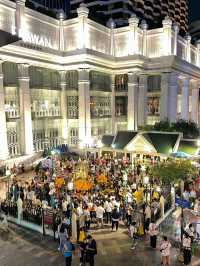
(36, 216)
(9, 208)
(32, 214)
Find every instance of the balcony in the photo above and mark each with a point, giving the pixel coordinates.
(53, 112)
(12, 114)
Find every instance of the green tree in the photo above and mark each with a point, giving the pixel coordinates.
(189, 129)
(163, 126)
(173, 171)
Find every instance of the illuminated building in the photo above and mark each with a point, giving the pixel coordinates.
(71, 81)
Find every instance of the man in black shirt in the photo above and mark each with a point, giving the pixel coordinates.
(91, 250)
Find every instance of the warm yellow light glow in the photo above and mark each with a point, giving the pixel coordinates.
(99, 144)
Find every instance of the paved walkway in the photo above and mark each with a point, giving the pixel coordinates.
(26, 248)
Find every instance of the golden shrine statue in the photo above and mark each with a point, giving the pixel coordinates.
(82, 181)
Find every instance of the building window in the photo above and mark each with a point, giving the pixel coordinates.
(10, 72)
(13, 145)
(44, 78)
(153, 106)
(121, 82)
(72, 107)
(99, 131)
(100, 81)
(72, 80)
(12, 102)
(73, 136)
(154, 83)
(46, 138)
(100, 107)
(121, 105)
(45, 103)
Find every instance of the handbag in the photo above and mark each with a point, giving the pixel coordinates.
(141, 230)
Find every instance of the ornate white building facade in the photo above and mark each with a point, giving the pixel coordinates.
(71, 81)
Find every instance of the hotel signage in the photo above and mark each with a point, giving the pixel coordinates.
(35, 39)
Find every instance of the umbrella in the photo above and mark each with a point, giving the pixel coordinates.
(180, 154)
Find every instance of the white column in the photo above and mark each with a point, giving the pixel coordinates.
(195, 101)
(176, 31)
(167, 36)
(84, 105)
(185, 99)
(113, 104)
(133, 35)
(173, 95)
(64, 107)
(3, 129)
(142, 100)
(26, 134)
(198, 53)
(144, 28)
(19, 15)
(164, 96)
(61, 17)
(111, 24)
(188, 48)
(168, 99)
(132, 101)
(83, 12)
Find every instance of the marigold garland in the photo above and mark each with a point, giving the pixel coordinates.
(59, 182)
(102, 179)
(82, 185)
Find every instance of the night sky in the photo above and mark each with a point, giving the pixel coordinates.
(194, 10)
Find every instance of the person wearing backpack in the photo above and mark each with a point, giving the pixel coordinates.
(91, 250)
(67, 249)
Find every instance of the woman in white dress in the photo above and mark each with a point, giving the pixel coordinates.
(165, 251)
(74, 225)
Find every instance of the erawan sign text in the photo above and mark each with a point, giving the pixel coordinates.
(35, 39)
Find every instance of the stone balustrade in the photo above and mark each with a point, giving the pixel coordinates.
(82, 33)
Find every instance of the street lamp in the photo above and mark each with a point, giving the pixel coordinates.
(146, 182)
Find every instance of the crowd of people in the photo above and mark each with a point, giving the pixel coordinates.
(122, 198)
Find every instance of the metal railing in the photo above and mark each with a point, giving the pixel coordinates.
(9, 208)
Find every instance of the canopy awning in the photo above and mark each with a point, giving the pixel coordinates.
(152, 142)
